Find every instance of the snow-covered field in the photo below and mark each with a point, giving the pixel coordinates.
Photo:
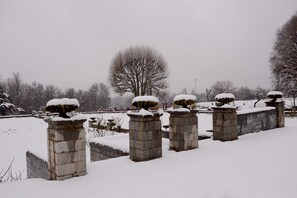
(257, 165)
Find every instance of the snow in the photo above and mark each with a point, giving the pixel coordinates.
(63, 101)
(256, 165)
(227, 106)
(76, 117)
(145, 98)
(7, 105)
(245, 111)
(141, 112)
(178, 110)
(224, 95)
(184, 97)
(273, 93)
(18, 135)
(118, 141)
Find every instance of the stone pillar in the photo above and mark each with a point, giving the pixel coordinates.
(280, 112)
(224, 124)
(145, 137)
(183, 130)
(66, 149)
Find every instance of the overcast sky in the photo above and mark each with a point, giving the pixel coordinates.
(70, 43)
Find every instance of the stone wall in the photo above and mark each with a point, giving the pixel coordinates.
(251, 122)
(36, 167)
(103, 152)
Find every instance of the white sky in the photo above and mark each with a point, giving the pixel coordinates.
(70, 43)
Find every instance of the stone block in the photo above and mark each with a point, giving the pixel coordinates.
(172, 128)
(64, 146)
(80, 166)
(79, 156)
(63, 177)
(174, 144)
(80, 144)
(65, 169)
(69, 157)
(131, 142)
(131, 125)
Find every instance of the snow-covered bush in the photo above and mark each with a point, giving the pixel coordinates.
(7, 108)
(62, 106)
(145, 102)
(274, 95)
(224, 98)
(184, 100)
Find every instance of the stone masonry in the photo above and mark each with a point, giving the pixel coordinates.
(224, 124)
(145, 137)
(183, 130)
(280, 112)
(66, 149)
(256, 121)
(103, 152)
(36, 167)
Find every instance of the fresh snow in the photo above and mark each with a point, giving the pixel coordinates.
(273, 93)
(145, 98)
(117, 141)
(224, 95)
(256, 165)
(227, 106)
(178, 110)
(7, 104)
(63, 101)
(184, 97)
(141, 112)
(120, 141)
(245, 111)
(76, 117)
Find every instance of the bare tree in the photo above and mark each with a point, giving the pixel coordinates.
(97, 97)
(207, 92)
(222, 86)
(14, 88)
(284, 56)
(139, 70)
(32, 97)
(245, 93)
(70, 93)
(293, 93)
(51, 92)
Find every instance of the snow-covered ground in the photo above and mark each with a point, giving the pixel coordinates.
(257, 165)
